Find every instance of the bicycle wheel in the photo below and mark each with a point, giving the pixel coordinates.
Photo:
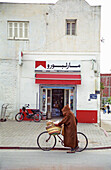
(37, 117)
(82, 141)
(45, 141)
(19, 117)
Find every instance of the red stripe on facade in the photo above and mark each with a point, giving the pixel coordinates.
(42, 81)
(60, 76)
(87, 116)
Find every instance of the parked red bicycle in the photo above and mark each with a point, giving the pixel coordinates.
(36, 114)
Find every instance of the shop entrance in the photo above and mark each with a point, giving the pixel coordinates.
(53, 99)
(57, 102)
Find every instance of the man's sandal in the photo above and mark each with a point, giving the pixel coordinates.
(71, 151)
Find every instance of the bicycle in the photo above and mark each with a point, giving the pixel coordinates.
(36, 115)
(47, 142)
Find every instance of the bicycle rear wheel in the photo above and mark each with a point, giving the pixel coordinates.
(37, 117)
(45, 141)
(82, 141)
(19, 117)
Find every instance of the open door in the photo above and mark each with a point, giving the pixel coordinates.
(57, 102)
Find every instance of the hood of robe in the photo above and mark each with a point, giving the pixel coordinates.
(66, 110)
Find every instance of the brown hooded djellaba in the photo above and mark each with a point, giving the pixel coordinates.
(70, 128)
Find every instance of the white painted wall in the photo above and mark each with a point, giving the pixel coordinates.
(87, 87)
(46, 34)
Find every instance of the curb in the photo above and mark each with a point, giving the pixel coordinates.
(37, 148)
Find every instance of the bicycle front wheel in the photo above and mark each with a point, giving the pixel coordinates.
(82, 141)
(45, 141)
(37, 117)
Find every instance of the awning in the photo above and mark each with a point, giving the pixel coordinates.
(54, 78)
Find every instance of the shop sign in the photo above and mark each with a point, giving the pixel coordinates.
(57, 65)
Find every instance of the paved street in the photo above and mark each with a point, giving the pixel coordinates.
(55, 160)
(24, 134)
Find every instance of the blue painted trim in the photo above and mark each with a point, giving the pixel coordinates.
(57, 87)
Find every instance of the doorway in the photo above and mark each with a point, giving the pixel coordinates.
(53, 99)
(57, 102)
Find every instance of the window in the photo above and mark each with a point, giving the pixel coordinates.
(71, 27)
(18, 30)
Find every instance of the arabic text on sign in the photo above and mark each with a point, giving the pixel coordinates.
(67, 66)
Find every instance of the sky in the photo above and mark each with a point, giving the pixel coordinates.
(105, 61)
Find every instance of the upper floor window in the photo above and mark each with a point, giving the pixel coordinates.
(71, 26)
(18, 30)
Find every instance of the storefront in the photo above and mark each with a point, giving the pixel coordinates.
(58, 82)
(69, 78)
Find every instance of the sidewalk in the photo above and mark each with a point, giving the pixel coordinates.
(24, 134)
(106, 121)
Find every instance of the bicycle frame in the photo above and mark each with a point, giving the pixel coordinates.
(62, 141)
(57, 136)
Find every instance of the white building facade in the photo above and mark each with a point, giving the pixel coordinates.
(50, 57)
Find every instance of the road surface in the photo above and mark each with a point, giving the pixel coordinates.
(54, 160)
